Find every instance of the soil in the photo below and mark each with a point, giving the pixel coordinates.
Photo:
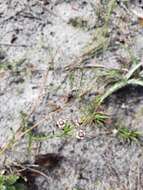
(44, 81)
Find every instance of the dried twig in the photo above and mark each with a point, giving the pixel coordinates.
(24, 168)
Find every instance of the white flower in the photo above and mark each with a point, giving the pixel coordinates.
(80, 134)
(78, 122)
(61, 123)
(114, 131)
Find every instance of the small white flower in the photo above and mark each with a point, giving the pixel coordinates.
(80, 134)
(78, 122)
(61, 123)
(114, 131)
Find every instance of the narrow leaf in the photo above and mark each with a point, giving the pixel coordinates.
(135, 82)
(132, 70)
(113, 89)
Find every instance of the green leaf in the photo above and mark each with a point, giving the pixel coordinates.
(132, 70)
(2, 178)
(135, 82)
(11, 179)
(113, 89)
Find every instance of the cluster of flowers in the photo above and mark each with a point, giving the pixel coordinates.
(80, 134)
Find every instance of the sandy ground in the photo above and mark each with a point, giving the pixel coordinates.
(38, 40)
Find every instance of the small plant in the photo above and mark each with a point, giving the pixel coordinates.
(111, 75)
(133, 77)
(24, 120)
(66, 130)
(129, 135)
(13, 66)
(92, 115)
(9, 182)
(101, 38)
(25, 124)
(95, 117)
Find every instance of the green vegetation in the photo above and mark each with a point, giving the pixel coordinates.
(101, 38)
(111, 76)
(96, 117)
(132, 77)
(13, 66)
(9, 182)
(129, 135)
(66, 131)
(92, 115)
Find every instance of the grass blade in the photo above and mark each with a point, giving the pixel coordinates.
(135, 82)
(132, 70)
(113, 89)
